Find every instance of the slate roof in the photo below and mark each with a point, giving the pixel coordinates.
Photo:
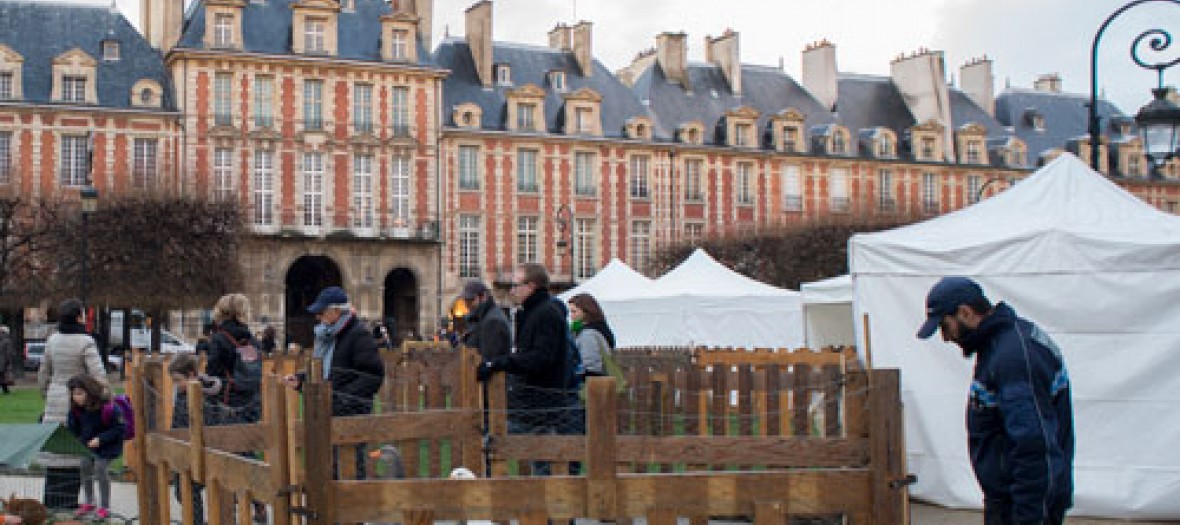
(531, 65)
(40, 31)
(866, 102)
(1065, 117)
(766, 89)
(266, 28)
(965, 111)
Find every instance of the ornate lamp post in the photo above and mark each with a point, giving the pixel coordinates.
(1159, 119)
(89, 198)
(565, 229)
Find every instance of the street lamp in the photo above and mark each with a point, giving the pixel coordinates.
(89, 198)
(1155, 116)
(563, 218)
(989, 183)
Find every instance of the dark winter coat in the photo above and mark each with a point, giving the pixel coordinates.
(488, 331)
(357, 370)
(223, 357)
(1020, 419)
(89, 424)
(540, 343)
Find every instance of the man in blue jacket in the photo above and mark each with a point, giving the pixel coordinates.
(1019, 416)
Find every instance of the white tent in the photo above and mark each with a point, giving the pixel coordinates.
(701, 302)
(613, 281)
(827, 312)
(1094, 266)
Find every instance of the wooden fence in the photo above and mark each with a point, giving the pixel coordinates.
(767, 434)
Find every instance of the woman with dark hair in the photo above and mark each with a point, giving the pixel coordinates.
(69, 352)
(594, 336)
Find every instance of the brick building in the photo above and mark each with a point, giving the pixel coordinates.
(365, 159)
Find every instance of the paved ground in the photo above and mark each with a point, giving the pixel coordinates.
(123, 498)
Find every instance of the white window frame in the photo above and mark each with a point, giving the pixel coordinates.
(469, 178)
(741, 135)
(399, 99)
(930, 202)
(399, 190)
(145, 163)
(838, 189)
(585, 248)
(73, 88)
(974, 183)
(744, 184)
(314, 31)
(526, 116)
(585, 178)
(639, 177)
(362, 108)
(362, 192)
(7, 83)
(110, 50)
(264, 188)
(527, 233)
(264, 89)
(792, 188)
(885, 198)
(973, 152)
(223, 173)
(73, 169)
(223, 89)
(694, 180)
(694, 231)
(526, 171)
(470, 230)
(399, 44)
(5, 157)
(223, 30)
(313, 104)
(640, 245)
(313, 189)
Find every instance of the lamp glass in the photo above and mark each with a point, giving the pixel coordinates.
(1158, 123)
(89, 197)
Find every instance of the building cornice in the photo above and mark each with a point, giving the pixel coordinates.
(21, 106)
(179, 53)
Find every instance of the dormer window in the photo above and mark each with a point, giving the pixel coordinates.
(1034, 119)
(10, 73)
(691, 133)
(557, 80)
(791, 138)
(839, 143)
(73, 88)
(886, 146)
(973, 155)
(313, 35)
(223, 30)
(467, 115)
(786, 131)
(739, 127)
(525, 120)
(526, 110)
(638, 128)
(6, 85)
(1018, 156)
(399, 41)
(110, 50)
(743, 135)
(927, 148)
(503, 75)
(145, 96)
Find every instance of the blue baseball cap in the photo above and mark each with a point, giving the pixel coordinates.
(944, 298)
(329, 296)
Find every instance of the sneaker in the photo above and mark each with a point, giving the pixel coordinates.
(102, 513)
(84, 509)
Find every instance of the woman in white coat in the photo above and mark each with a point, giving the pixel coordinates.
(69, 352)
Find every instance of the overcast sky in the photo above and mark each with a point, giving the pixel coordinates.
(1024, 38)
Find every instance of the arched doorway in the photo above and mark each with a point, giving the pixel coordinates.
(306, 277)
(401, 303)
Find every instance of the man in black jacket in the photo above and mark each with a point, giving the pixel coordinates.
(349, 353)
(487, 328)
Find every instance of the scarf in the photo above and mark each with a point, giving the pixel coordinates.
(325, 341)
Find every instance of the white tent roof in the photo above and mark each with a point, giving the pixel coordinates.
(615, 280)
(828, 291)
(701, 274)
(1094, 266)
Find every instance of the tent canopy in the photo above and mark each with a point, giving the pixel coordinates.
(1094, 266)
(833, 290)
(22, 443)
(827, 312)
(614, 280)
(700, 302)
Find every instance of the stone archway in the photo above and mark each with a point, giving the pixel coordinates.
(305, 278)
(400, 313)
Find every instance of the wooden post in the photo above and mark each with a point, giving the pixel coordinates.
(470, 453)
(886, 452)
(145, 488)
(770, 513)
(196, 432)
(186, 499)
(498, 419)
(601, 479)
(277, 457)
(317, 447)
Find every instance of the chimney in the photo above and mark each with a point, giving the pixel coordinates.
(978, 83)
(643, 60)
(1049, 83)
(560, 38)
(424, 9)
(723, 52)
(479, 40)
(921, 79)
(161, 22)
(583, 44)
(819, 72)
(672, 56)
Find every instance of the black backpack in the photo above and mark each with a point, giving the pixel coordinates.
(246, 376)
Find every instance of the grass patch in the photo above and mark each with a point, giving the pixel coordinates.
(23, 405)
